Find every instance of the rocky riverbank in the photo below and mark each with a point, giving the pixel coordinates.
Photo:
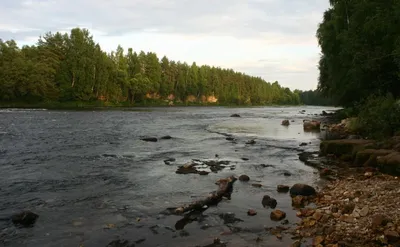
(359, 205)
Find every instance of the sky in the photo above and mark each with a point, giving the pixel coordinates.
(273, 39)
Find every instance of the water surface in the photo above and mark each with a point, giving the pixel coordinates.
(92, 180)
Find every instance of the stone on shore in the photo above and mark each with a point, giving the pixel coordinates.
(368, 157)
(343, 146)
(302, 190)
(390, 163)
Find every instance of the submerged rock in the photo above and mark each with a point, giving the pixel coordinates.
(169, 161)
(229, 218)
(230, 138)
(149, 139)
(268, 201)
(235, 115)
(120, 243)
(25, 218)
(302, 190)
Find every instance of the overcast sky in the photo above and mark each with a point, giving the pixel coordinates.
(274, 39)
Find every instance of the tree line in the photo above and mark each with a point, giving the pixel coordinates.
(73, 67)
(360, 44)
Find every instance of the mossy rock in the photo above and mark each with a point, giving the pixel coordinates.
(342, 147)
(367, 157)
(389, 164)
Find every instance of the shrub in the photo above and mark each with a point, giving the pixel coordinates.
(379, 117)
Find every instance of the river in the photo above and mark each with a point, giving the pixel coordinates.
(92, 180)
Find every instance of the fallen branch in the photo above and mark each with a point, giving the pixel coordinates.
(225, 187)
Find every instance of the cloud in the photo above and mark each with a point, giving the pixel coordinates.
(287, 26)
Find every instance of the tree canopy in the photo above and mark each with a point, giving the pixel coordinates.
(360, 44)
(73, 67)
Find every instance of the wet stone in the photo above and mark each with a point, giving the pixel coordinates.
(277, 215)
(283, 188)
(167, 137)
(149, 139)
(302, 190)
(244, 178)
(268, 201)
(25, 218)
(251, 212)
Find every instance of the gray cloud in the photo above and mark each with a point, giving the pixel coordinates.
(239, 18)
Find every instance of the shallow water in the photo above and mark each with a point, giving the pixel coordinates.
(82, 170)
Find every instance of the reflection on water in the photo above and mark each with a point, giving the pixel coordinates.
(90, 177)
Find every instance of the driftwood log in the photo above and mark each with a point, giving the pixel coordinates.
(225, 187)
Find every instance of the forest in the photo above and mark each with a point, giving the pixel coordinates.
(360, 61)
(73, 68)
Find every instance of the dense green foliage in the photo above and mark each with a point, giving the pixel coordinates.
(314, 97)
(379, 116)
(360, 43)
(360, 62)
(72, 67)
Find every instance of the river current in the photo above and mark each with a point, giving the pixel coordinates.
(92, 180)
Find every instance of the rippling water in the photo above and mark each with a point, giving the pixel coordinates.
(82, 170)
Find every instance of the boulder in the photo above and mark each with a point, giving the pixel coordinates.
(244, 178)
(149, 139)
(25, 218)
(268, 201)
(343, 146)
(285, 122)
(277, 215)
(302, 190)
(368, 157)
(311, 125)
(390, 163)
(283, 188)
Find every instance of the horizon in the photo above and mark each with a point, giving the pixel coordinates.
(249, 37)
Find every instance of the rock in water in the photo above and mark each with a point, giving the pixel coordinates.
(166, 137)
(244, 178)
(235, 115)
(25, 218)
(277, 215)
(285, 122)
(251, 142)
(283, 188)
(251, 212)
(149, 139)
(268, 201)
(302, 190)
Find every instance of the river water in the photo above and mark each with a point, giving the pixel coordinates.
(92, 180)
